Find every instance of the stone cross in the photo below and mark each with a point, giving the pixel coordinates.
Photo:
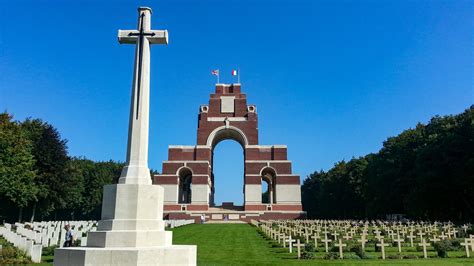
(306, 234)
(421, 234)
(340, 246)
(290, 243)
(466, 244)
(471, 239)
(411, 237)
(347, 237)
(443, 236)
(382, 246)
(326, 242)
(315, 237)
(298, 246)
(377, 232)
(399, 242)
(424, 245)
(362, 241)
(435, 239)
(378, 237)
(136, 169)
(281, 237)
(454, 231)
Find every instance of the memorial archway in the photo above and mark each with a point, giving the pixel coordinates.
(228, 116)
(227, 174)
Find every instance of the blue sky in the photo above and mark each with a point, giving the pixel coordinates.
(331, 79)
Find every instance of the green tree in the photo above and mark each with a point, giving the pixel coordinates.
(50, 153)
(17, 174)
(426, 172)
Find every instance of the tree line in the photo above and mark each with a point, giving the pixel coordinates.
(40, 181)
(426, 172)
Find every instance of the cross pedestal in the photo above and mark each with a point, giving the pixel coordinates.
(131, 231)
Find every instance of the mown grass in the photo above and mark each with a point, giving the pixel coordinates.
(241, 244)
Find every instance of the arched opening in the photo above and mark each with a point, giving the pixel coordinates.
(265, 191)
(227, 172)
(268, 176)
(185, 183)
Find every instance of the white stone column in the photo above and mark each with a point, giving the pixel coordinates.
(136, 170)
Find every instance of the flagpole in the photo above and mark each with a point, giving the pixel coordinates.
(238, 75)
(218, 74)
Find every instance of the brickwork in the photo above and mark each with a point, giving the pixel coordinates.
(228, 116)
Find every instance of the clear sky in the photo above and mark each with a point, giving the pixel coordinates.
(331, 79)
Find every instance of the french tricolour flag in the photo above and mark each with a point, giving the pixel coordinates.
(234, 72)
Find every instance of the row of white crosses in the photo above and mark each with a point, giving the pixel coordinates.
(337, 230)
(282, 235)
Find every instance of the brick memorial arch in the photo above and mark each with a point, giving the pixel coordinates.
(187, 176)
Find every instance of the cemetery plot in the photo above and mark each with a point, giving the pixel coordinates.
(33, 237)
(346, 239)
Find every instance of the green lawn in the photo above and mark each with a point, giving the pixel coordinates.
(241, 244)
(224, 244)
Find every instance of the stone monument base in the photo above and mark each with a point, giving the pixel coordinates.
(131, 232)
(171, 255)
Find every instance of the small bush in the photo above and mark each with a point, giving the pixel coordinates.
(456, 244)
(470, 231)
(409, 256)
(12, 255)
(395, 256)
(331, 256)
(306, 255)
(442, 247)
(309, 247)
(49, 251)
(418, 248)
(358, 251)
(334, 249)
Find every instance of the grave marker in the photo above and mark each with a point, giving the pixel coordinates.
(382, 246)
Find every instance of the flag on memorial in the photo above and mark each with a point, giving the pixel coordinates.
(234, 72)
(215, 72)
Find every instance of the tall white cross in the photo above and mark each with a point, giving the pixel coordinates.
(136, 169)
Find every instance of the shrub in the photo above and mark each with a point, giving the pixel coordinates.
(470, 231)
(49, 251)
(395, 256)
(455, 244)
(12, 255)
(306, 255)
(334, 249)
(442, 248)
(358, 251)
(309, 247)
(331, 256)
(418, 248)
(410, 256)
